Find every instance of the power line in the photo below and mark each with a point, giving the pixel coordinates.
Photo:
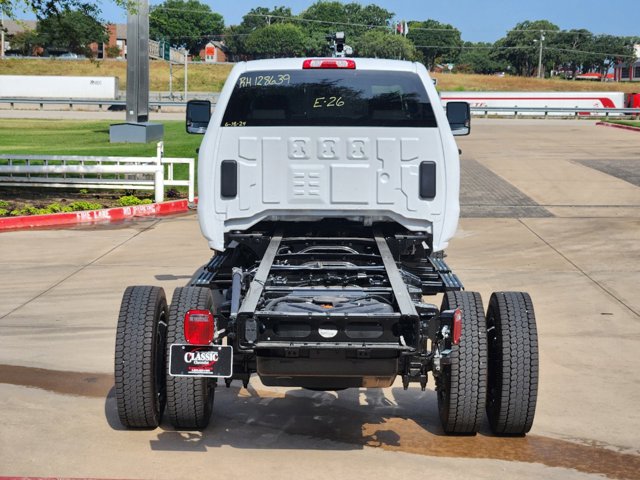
(571, 50)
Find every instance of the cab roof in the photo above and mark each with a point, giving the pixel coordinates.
(361, 64)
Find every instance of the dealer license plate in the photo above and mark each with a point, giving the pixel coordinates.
(201, 361)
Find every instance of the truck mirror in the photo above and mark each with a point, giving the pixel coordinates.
(459, 116)
(198, 116)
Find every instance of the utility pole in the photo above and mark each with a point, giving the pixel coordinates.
(540, 56)
(1, 33)
(186, 76)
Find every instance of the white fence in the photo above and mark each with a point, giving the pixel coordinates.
(118, 173)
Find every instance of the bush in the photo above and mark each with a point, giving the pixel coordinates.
(28, 209)
(3, 204)
(132, 200)
(84, 205)
(4, 212)
(57, 208)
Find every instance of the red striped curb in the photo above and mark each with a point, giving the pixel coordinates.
(617, 125)
(92, 216)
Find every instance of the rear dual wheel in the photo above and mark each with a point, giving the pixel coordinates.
(140, 357)
(189, 400)
(462, 383)
(513, 363)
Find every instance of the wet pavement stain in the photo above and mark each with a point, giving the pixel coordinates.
(94, 385)
(530, 449)
(339, 417)
(405, 428)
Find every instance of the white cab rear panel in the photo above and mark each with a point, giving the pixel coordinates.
(367, 174)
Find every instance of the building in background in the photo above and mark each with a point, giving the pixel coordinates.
(12, 27)
(116, 46)
(629, 72)
(214, 52)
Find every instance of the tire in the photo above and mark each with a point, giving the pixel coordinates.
(189, 400)
(462, 384)
(513, 363)
(140, 361)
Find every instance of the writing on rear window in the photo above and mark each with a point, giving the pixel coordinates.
(335, 98)
(328, 102)
(263, 80)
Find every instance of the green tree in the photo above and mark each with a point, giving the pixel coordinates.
(371, 15)
(521, 47)
(609, 50)
(236, 36)
(438, 42)
(72, 31)
(274, 41)
(572, 47)
(25, 42)
(382, 44)
(351, 18)
(46, 8)
(260, 17)
(476, 58)
(185, 23)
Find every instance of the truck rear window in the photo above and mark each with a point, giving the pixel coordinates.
(337, 98)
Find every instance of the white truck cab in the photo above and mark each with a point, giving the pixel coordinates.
(301, 140)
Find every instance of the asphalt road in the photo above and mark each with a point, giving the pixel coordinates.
(548, 207)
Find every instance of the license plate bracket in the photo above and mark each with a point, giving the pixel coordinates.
(215, 361)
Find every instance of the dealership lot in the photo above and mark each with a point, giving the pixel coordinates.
(548, 206)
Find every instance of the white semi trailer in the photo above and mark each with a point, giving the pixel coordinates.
(533, 100)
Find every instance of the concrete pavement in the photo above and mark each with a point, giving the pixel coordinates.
(61, 291)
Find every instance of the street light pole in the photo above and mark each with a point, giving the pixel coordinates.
(540, 56)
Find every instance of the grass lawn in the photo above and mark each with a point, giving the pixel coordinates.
(72, 137)
(202, 77)
(91, 138)
(461, 82)
(630, 123)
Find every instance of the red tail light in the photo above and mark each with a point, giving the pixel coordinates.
(329, 63)
(198, 327)
(457, 326)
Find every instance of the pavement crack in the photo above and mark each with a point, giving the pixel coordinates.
(570, 262)
(80, 269)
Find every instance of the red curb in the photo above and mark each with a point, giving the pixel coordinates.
(617, 125)
(91, 216)
(49, 478)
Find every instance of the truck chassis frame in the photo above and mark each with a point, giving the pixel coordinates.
(329, 305)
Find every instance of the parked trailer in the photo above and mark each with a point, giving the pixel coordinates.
(588, 100)
(48, 87)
